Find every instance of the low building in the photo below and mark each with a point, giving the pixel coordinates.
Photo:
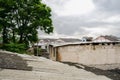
(86, 52)
(106, 39)
(67, 40)
(43, 43)
(87, 39)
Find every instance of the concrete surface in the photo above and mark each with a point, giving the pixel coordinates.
(45, 69)
(11, 60)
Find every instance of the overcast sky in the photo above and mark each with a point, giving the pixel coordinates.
(76, 18)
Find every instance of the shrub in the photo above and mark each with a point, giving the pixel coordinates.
(15, 47)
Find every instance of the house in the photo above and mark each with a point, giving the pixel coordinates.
(67, 40)
(86, 53)
(118, 38)
(87, 39)
(43, 43)
(106, 39)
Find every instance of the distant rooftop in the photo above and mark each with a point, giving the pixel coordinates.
(81, 43)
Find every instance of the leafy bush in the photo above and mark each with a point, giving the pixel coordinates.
(15, 47)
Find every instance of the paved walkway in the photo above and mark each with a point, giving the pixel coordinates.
(45, 69)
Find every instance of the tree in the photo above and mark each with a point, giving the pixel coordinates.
(20, 20)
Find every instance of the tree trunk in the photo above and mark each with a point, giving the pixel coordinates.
(5, 35)
(13, 36)
(21, 38)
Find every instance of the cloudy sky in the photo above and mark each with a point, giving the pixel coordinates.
(76, 18)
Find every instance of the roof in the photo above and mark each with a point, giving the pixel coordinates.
(70, 39)
(111, 38)
(48, 40)
(83, 43)
(88, 38)
(61, 39)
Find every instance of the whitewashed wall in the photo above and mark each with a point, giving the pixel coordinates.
(90, 54)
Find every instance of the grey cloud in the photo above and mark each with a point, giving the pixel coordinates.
(108, 5)
(69, 25)
(56, 2)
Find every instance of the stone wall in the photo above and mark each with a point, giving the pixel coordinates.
(9, 60)
(89, 54)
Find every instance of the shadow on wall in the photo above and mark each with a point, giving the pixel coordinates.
(10, 60)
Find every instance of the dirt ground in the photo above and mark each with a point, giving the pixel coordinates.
(110, 71)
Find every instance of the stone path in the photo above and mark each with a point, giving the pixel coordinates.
(45, 69)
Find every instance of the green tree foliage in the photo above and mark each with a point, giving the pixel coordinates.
(15, 47)
(20, 20)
